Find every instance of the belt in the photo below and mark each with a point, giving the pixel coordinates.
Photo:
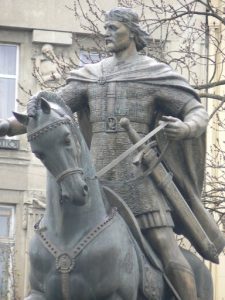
(112, 125)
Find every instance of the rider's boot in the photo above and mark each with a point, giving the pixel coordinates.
(175, 265)
(182, 280)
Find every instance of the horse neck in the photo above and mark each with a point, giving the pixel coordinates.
(68, 221)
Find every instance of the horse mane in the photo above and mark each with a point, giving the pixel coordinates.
(35, 102)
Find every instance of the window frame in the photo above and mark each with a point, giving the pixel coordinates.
(9, 243)
(6, 76)
(87, 57)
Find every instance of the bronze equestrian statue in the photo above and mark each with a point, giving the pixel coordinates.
(83, 249)
(135, 86)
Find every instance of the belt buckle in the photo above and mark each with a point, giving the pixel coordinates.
(111, 124)
(101, 80)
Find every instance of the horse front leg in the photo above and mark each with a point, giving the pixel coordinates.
(35, 295)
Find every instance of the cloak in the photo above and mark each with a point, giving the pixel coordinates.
(190, 168)
(186, 158)
(144, 69)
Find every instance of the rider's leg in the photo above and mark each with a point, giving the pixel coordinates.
(176, 267)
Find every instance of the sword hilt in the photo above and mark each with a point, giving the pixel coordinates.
(125, 123)
(132, 134)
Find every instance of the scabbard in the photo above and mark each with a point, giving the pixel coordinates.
(164, 181)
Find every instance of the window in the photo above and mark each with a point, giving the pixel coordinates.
(8, 79)
(89, 57)
(6, 251)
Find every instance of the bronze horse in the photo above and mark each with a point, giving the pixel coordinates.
(83, 249)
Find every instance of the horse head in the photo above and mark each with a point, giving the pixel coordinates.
(53, 139)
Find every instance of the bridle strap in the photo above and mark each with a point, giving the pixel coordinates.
(36, 133)
(68, 172)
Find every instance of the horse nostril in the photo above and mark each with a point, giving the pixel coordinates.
(85, 189)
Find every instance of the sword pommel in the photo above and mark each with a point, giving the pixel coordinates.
(125, 123)
(133, 135)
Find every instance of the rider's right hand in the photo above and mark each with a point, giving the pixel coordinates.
(4, 127)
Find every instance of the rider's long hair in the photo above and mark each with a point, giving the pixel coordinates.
(130, 19)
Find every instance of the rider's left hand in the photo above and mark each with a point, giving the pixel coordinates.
(176, 129)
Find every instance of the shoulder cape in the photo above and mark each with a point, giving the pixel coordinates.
(144, 69)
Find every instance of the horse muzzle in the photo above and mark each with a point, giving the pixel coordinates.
(73, 187)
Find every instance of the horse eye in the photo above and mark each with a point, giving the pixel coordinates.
(67, 140)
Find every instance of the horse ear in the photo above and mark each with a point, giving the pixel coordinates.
(46, 108)
(23, 119)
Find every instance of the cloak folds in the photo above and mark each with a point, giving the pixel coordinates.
(185, 158)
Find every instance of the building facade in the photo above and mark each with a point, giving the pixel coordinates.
(38, 46)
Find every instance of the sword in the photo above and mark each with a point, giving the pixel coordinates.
(139, 143)
(164, 181)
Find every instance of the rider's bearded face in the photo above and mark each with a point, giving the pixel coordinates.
(118, 37)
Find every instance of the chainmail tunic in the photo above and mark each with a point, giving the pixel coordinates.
(108, 103)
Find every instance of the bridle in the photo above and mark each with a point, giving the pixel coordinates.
(36, 133)
(68, 172)
(50, 126)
